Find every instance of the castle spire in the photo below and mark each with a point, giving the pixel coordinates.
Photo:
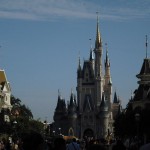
(79, 62)
(79, 70)
(146, 44)
(91, 51)
(59, 94)
(98, 41)
(107, 63)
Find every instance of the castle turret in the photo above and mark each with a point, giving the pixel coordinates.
(107, 80)
(72, 107)
(104, 115)
(107, 69)
(98, 66)
(79, 85)
(72, 114)
(60, 111)
(91, 58)
(116, 105)
(79, 71)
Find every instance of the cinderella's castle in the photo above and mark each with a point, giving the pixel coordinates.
(92, 112)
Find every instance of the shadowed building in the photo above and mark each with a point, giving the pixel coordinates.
(141, 98)
(140, 103)
(91, 113)
(142, 94)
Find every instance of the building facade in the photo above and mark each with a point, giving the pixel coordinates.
(141, 97)
(90, 114)
(5, 94)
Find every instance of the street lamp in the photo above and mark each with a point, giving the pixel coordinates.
(15, 122)
(15, 128)
(53, 133)
(59, 131)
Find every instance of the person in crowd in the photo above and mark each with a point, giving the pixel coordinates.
(82, 145)
(119, 145)
(73, 145)
(59, 144)
(33, 141)
(145, 147)
(96, 147)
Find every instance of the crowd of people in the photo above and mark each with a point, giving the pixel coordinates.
(34, 141)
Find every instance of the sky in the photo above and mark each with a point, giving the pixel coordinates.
(41, 41)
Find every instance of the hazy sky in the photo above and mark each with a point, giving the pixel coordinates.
(41, 41)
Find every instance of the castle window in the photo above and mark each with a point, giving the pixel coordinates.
(87, 80)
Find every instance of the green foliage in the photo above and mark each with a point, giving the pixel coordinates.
(124, 124)
(23, 117)
(19, 109)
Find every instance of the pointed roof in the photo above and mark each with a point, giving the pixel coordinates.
(145, 67)
(103, 105)
(116, 98)
(79, 64)
(3, 80)
(2, 76)
(61, 105)
(142, 93)
(91, 54)
(98, 41)
(79, 71)
(107, 62)
(72, 102)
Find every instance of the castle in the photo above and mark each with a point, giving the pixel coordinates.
(92, 112)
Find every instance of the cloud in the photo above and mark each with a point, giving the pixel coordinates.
(72, 9)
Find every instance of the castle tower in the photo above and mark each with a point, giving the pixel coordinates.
(91, 85)
(72, 115)
(91, 114)
(103, 115)
(98, 66)
(107, 81)
(60, 115)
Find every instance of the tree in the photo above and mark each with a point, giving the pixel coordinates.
(20, 110)
(125, 125)
(23, 117)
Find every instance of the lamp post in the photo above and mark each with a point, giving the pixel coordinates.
(53, 133)
(59, 131)
(137, 119)
(15, 130)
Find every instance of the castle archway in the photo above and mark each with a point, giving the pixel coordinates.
(71, 132)
(88, 133)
